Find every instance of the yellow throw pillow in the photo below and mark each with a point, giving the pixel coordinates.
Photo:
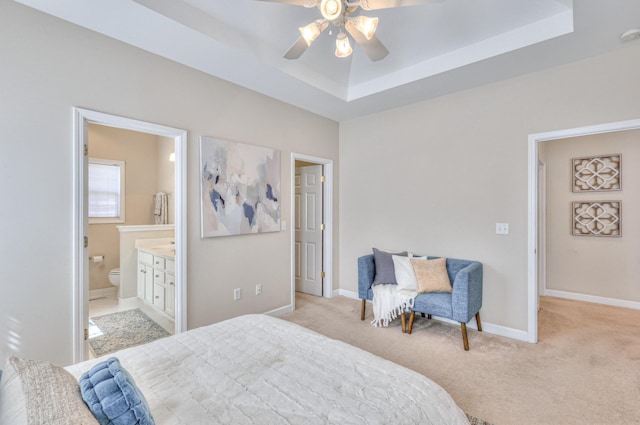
(431, 275)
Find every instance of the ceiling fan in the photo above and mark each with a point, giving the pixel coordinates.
(338, 13)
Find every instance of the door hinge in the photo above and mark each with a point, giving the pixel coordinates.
(322, 275)
(86, 150)
(323, 179)
(86, 334)
(86, 242)
(322, 226)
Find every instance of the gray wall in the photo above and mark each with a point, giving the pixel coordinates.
(49, 66)
(434, 177)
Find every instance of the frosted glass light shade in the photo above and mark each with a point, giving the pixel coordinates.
(366, 26)
(343, 47)
(311, 31)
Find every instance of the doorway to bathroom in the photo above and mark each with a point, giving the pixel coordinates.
(109, 296)
(130, 185)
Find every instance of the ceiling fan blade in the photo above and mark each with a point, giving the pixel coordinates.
(305, 3)
(373, 47)
(386, 4)
(298, 48)
(311, 31)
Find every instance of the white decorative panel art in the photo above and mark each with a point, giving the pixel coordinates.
(597, 173)
(596, 218)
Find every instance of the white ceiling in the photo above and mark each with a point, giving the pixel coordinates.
(435, 48)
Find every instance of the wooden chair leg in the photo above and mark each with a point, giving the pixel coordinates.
(403, 320)
(411, 319)
(364, 304)
(478, 322)
(465, 340)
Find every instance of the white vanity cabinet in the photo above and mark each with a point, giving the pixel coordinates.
(145, 276)
(156, 281)
(170, 285)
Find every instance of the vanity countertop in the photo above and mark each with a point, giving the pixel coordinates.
(163, 250)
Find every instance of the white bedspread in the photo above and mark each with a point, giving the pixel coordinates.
(257, 369)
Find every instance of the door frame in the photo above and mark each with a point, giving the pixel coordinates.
(542, 229)
(327, 212)
(303, 188)
(81, 120)
(532, 245)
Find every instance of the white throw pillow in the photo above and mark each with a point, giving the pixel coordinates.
(405, 276)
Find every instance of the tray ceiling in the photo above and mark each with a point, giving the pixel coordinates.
(435, 48)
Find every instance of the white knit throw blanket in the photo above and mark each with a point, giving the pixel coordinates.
(389, 302)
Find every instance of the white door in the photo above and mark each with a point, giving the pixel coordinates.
(308, 229)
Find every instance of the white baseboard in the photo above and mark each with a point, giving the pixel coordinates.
(104, 293)
(592, 299)
(489, 328)
(280, 311)
(512, 333)
(346, 294)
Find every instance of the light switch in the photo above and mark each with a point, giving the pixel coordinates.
(502, 228)
(283, 224)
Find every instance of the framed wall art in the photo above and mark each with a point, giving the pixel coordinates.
(596, 218)
(597, 173)
(240, 188)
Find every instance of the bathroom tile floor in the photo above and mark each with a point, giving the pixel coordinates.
(107, 305)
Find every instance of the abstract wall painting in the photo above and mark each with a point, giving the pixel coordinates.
(240, 188)
(597, 173)
(596, 218)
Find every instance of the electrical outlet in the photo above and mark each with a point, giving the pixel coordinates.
(259, 289)
(502, 228)
(237, 294)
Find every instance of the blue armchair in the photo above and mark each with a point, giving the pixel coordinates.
(460, 305)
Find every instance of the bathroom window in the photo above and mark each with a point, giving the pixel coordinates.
(106, 191)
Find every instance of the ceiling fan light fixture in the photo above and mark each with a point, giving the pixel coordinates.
(331, 9)
(366, 25)
(311, 31)
(343, 47)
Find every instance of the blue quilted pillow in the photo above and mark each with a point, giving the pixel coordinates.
(112, 395)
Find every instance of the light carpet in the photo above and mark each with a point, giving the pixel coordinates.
(117, 331)
(585, 369)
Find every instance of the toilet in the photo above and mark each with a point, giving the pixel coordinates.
(114, 277)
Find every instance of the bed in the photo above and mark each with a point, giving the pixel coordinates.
(256, 369)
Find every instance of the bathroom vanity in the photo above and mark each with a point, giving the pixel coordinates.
(156, 278)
